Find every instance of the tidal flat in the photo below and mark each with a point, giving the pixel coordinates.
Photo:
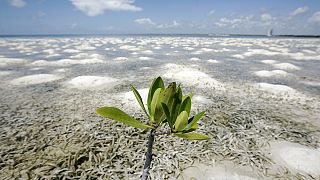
(261, 98)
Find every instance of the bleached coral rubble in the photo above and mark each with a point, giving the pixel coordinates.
(276, 88)
(286, 66)
(191, 77)
(217, 171)
(129, 99)
(35, 79)
(120, 59)
(5, 73)
(11, 61)
(296, 157)
(291, 55)
(213, 61)
(265, 73)
(66, 62)
(92, 82)
(269, 61)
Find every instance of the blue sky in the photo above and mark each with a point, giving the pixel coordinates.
(159, 16)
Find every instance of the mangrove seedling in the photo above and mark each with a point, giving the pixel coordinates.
(165, 106)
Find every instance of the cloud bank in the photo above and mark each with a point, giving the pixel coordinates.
(17, 3)
(97, 7)
(298, 11)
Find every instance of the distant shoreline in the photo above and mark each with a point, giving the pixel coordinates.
(177, 35)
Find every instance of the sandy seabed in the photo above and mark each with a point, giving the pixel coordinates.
(261, 97)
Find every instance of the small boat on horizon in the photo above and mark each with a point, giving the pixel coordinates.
(270, 32)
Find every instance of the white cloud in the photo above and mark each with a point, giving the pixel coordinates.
(233, 22)
(174, 24)
(315, 18)
(266, 17)
(17, 3)
(211, 12)
(145, 21)
(298, 11)
(148, 21)
(38, 15)
(97, 7)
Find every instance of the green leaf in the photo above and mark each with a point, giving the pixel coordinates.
(166, 111)
(156, 83)
(189, 95)
(175, 106)
(192, 136)
(120, 116)
(139, 99)
(182, 121)
(186, 105)
(156, 108)
(194, 121)
(168, 93)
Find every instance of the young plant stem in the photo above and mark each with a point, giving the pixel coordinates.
(148, 160)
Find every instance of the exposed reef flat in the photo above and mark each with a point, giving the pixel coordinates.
(261, 97)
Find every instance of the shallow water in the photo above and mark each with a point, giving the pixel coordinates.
(61, 80)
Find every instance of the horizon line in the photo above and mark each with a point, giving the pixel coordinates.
(156, 34)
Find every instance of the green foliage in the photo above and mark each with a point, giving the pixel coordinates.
(191, 136)
(118, 115)
(165, 105)
(139, 99)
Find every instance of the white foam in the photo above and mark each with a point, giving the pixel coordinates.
(35, 79)
(296, 157)
(265, 73)
(92, 82)
(213, 61)
(269, 61)
(286, 66)
(120, 59)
